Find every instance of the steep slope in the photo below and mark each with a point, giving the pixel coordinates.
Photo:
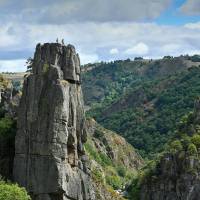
(114, 78)
(49, 155)
(9, 99)
(114, 162)
(143, 100)
(175, 176)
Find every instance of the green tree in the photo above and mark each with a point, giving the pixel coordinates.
(196, 140)
(10, 191)
(114, 181)
(192, 149)
(176, 146)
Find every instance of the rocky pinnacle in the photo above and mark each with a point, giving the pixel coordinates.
(50, 160)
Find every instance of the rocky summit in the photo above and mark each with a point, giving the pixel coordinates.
(50, 160)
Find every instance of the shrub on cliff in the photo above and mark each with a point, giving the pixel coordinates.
(196, 140)
(176, 146)
(114, 181)
(192, 149)
(9, 191)
(121, 171)
(7, 127)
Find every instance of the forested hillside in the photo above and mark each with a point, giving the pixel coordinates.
(175, 173)
(143, 100)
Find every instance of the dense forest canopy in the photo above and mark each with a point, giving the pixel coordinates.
(143, 100)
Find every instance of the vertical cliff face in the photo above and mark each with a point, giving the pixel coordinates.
(49, 156)
(177, 179)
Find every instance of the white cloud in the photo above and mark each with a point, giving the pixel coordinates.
(169, 49)
(140, 49)
(12, 65)
(112, 10)
(6, 39)
(193, 25)
(60, 11)
(130, 39)
(103, 30)
(193, 52)
(191, 7)
(114, 51)
(88, 58)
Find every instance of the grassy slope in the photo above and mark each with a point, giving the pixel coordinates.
(114, 162)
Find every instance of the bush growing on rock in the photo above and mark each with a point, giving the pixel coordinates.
(105, 160)
(97, 175)
(114, 181)
(185, 140)
(196, 140)
(121, 171)
(192, 149)
(176, 146)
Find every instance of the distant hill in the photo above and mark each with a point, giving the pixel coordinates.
(17, 78)
(142, 100)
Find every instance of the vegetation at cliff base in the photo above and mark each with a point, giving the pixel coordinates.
(114, 175)
(7, 127)
(10, 191)
(114, 162)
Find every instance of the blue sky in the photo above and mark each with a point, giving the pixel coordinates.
(99, 29)
(173, 16)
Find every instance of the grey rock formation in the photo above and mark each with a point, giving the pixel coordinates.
(118, 151)
(9, 100)
(177, 174)
(177, 179)
(49, 155)
(114, 146)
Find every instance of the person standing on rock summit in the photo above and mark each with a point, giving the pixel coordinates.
(63, 43)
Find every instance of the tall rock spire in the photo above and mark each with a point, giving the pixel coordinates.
(49, 156)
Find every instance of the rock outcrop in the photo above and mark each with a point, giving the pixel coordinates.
(177, 179)
(114, 162)
(177, 174)
(50, 160)
(9, 98)
(114, 146)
